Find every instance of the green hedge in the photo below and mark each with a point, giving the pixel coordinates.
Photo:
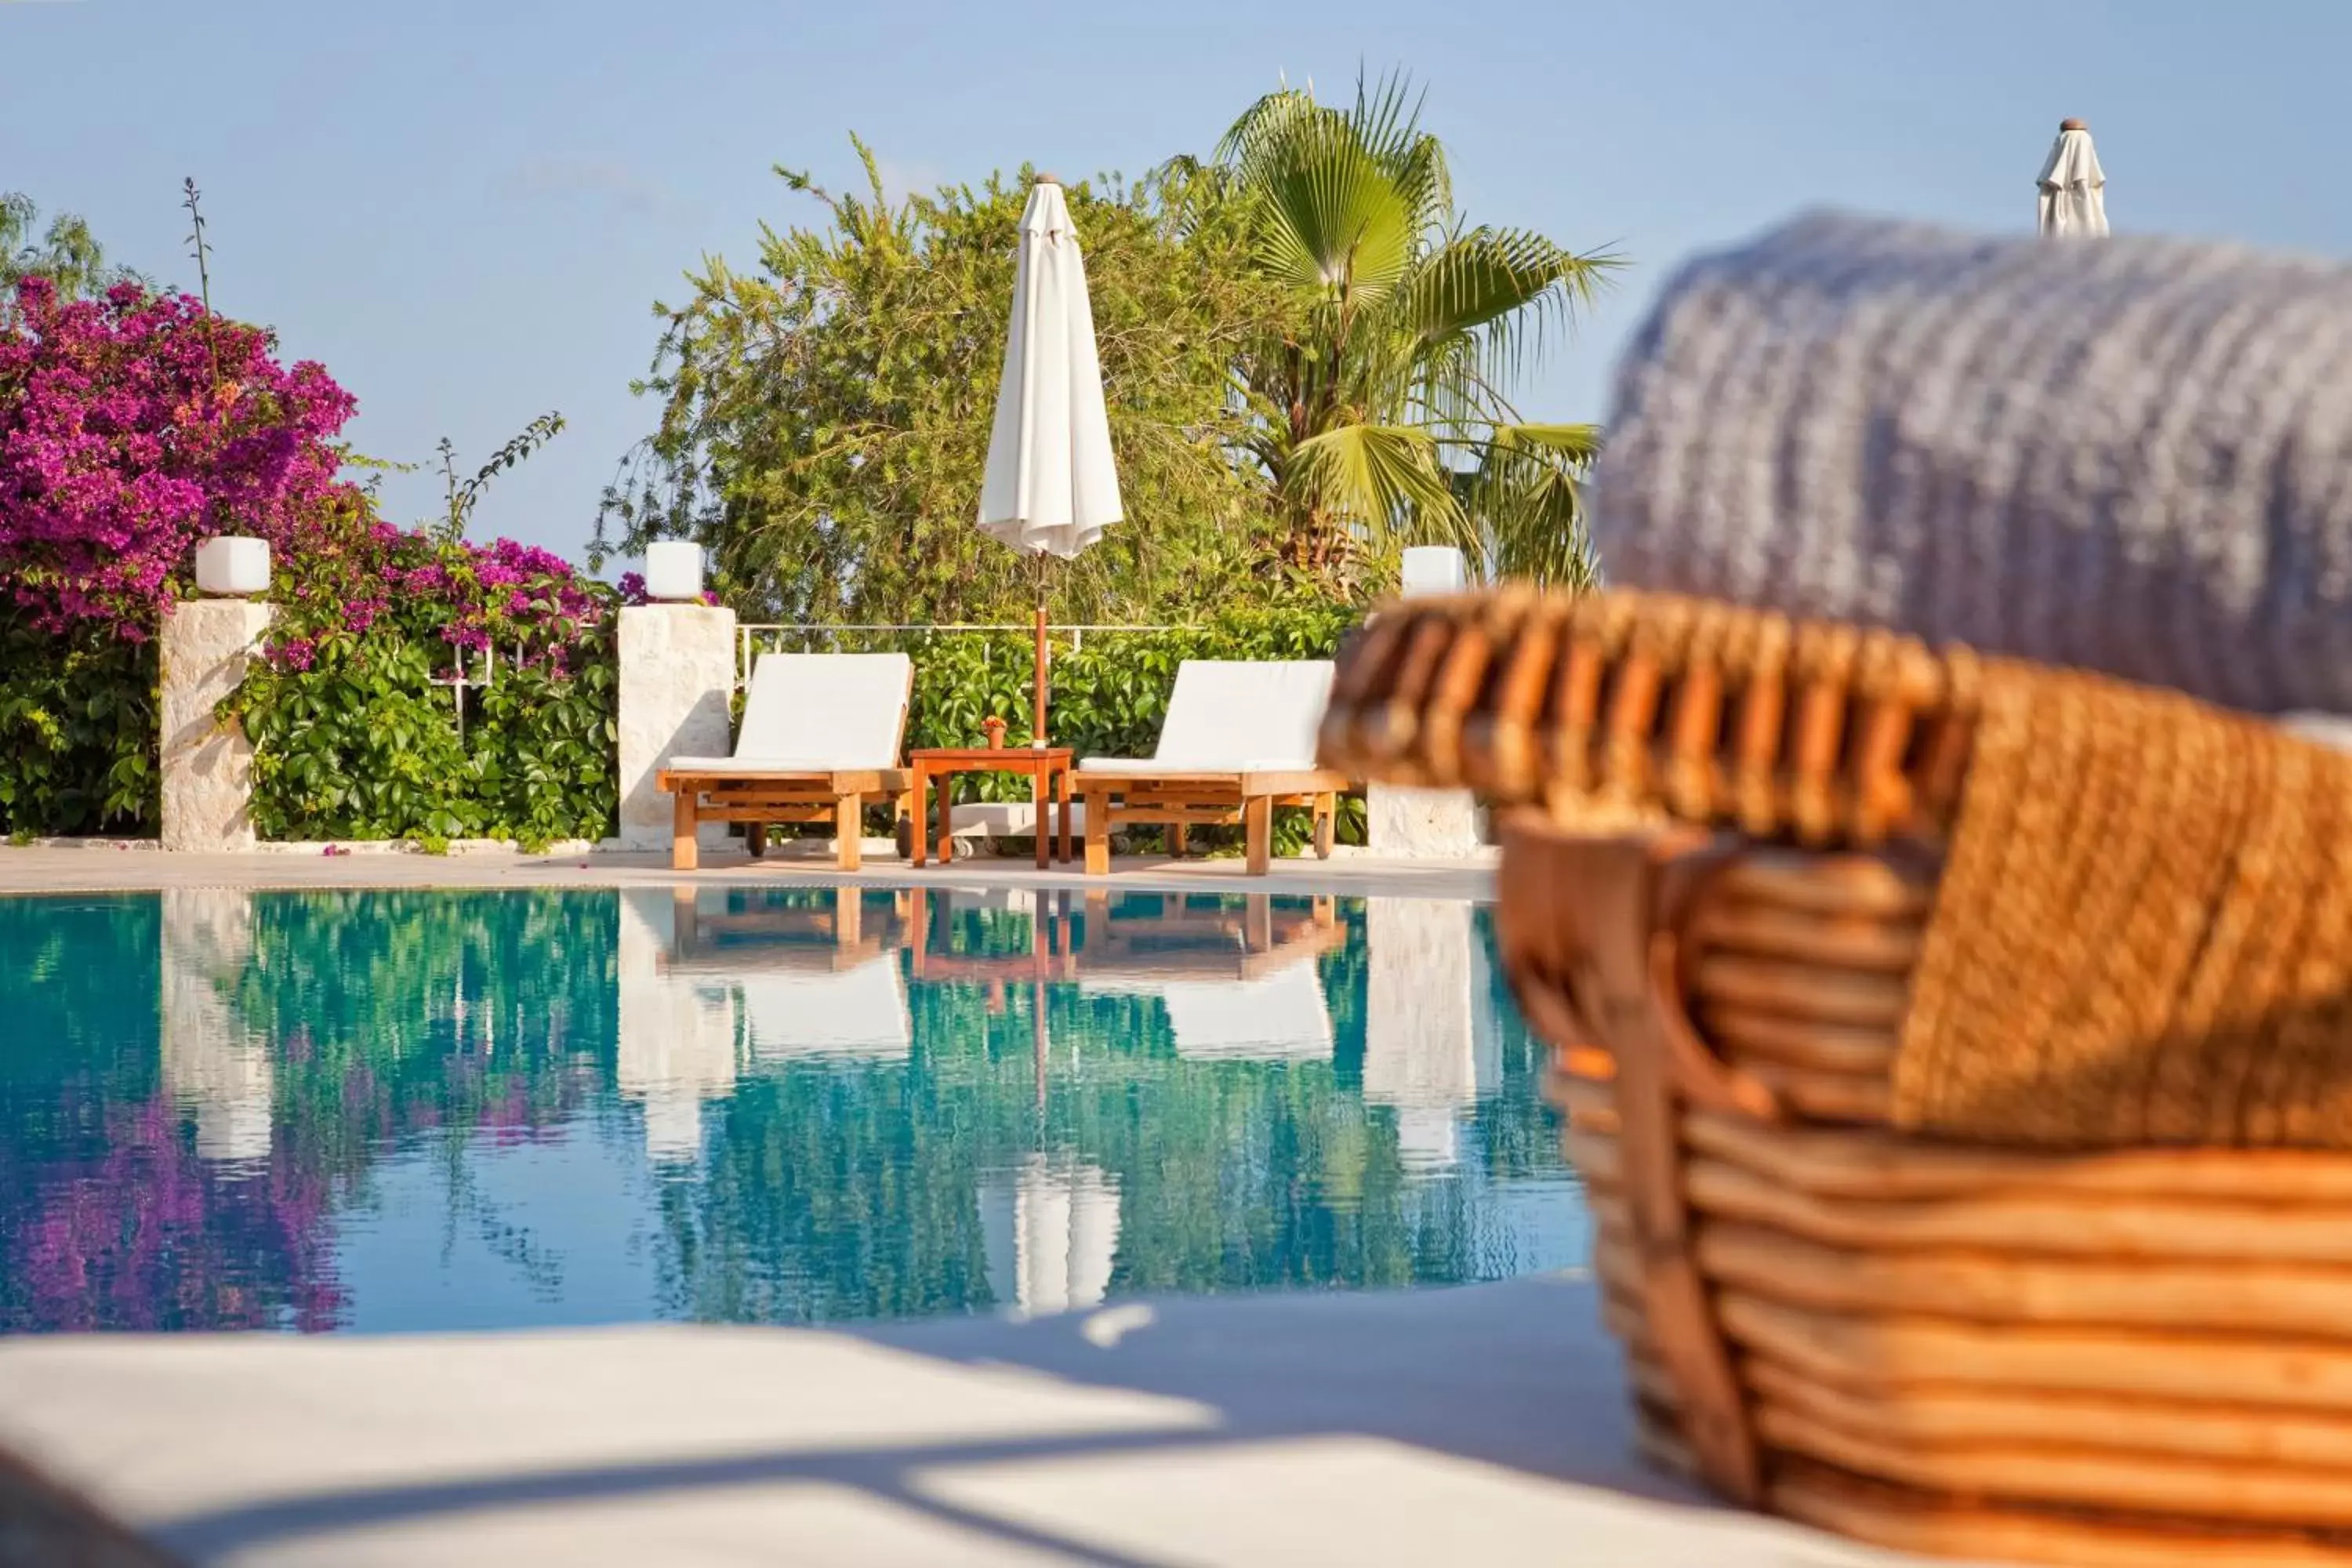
(79, 735)
(364, 745)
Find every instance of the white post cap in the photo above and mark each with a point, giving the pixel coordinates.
(674, 569)
(1432, 569)
(232, 567)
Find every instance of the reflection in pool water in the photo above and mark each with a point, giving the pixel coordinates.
(392, 1110)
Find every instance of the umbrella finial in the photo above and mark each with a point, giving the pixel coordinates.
(1043, 178)
(2071, 124)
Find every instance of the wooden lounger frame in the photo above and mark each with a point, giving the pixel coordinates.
(1182, 799)
(839, 797)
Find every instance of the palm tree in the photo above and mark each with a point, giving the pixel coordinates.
(1377, 408)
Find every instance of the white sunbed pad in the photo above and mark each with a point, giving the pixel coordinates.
(751, 766)
(854, 1013)
(818, 711)
(1237, 716)
(1151, 767)
(1281, 1017)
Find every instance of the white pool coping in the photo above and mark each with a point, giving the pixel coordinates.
(92, 865)
(1483, 1425)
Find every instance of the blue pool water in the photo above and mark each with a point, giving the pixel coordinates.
(406, 1110)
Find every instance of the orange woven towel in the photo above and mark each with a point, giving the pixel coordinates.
(2143, 933)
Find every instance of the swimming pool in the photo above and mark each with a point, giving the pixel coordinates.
(392, 1110)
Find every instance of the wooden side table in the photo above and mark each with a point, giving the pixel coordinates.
(1048, 769)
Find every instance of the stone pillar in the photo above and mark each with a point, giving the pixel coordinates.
(677, 1036)
(1422, 1039)
(214, 1064)
(1417, 823)
(677, 674)
(1424, 824)
(208, 765)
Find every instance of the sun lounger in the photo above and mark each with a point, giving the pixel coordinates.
(1238, 740)
(820, 742)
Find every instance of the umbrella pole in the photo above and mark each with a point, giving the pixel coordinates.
(1039, 1043)
(1037, 716)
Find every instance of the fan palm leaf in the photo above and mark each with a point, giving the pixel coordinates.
(1377, 408)
(1330, 219)
(1372, 476)
(1524, 501)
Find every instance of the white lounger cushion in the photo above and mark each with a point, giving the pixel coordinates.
(816, 712)
(1153, 767)
(1281, 1017)
(860, 1012)
(750, 765)
(1236, 715)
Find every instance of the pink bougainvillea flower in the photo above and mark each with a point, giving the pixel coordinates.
(134, 426)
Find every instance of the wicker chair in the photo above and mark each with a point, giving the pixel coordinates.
(2111, 1352)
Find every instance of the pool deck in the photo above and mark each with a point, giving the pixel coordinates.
(1482, 1425)
(100, 868)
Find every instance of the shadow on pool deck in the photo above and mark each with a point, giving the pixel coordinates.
(1519, 1374)
(1484, 1424)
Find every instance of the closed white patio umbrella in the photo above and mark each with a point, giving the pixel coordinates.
(2072, 194)
(1050, 488)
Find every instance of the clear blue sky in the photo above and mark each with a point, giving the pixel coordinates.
(466, 208)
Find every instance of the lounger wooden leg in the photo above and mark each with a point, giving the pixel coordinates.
(849, 832)
(1097, 834)
(1039, 798)
(1257, 834)
(684, 851)
(755, 838)
(1327, 825)
(919, 811)
(1179, 837)
(1063, 849)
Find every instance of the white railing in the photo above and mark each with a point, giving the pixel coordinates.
(810, 633)
(461, 679)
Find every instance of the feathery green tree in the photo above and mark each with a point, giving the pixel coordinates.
(825, 419)
(65, 252)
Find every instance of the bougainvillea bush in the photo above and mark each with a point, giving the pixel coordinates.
(133, 426)
(355, 718)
